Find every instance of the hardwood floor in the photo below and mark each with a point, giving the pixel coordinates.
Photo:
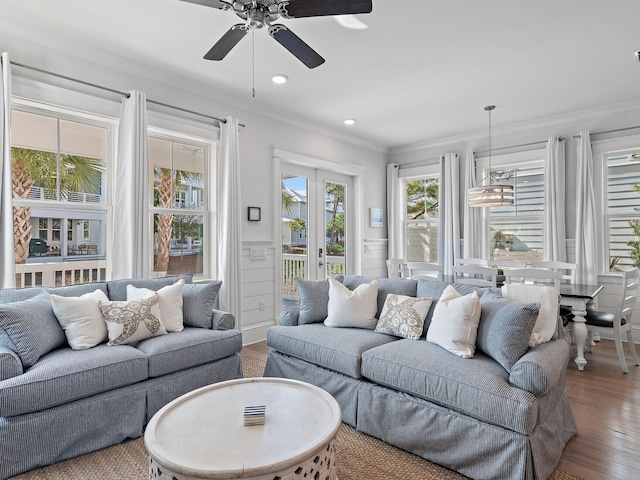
(606, 405)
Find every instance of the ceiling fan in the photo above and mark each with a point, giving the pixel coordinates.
(260, 13)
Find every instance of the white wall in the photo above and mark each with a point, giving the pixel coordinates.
(258, 138)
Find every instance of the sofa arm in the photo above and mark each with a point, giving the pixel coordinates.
(222, 320)
(10, 364)
(542, 367)
(288, 318)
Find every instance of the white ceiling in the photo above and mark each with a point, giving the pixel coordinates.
(423, 70)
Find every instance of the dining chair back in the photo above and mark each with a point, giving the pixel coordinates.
(533, 275)
(618, 323)
(506, 263)
(425, 270)
(568, 269)
(472, 261)
(396, 268)
(475, 275)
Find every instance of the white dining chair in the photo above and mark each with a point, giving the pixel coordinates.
(506, 263)
(619, 322)
(425, 270)
(475, 275)
(396, 268)
(472, 261)
(533, 276)
(568, 269)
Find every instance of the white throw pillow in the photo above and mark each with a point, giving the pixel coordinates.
(355, 308)
(132, 321)
(547, 297)
(403, 316)
(169, 301)
(454, 325)
(81, 319)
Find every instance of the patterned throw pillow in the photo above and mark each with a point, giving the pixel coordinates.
(132, 321)
(403, 316)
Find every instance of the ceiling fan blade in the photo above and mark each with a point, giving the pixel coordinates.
(227, 42)
(208, 3)
(296, 46)
(319, 8)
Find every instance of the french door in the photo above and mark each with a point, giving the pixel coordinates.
(317, 225)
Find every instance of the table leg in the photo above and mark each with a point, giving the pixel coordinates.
(579, 337)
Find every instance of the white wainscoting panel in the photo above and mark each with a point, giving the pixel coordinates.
(374, 258)
(258, 290)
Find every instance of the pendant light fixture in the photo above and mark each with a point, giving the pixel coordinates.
(492, 194)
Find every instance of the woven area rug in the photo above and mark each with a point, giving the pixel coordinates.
(359, 457)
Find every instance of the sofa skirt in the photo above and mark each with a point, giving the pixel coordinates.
(343, 388)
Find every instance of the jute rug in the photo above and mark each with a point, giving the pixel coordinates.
(360, 457)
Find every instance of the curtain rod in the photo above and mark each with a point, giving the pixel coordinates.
(126, 94)
(562, 139)
(611, 131)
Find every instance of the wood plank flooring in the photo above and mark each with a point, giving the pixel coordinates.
(606, 405)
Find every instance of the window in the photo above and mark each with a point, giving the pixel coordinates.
(622, 204)
(420, 213)
(516, 232)
(178, 169)
(60, 162)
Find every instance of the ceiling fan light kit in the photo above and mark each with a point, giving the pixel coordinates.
(493, 194)
(257, 14)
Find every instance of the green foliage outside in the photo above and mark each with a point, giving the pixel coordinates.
(422, 199)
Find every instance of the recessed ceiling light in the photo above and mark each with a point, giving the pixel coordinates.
(279, 79)
(349, 121)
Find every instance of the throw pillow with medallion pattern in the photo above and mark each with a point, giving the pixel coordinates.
(403, 316)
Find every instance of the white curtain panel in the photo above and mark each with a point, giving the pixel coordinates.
(554, 243)
(472, 227)
(229, 219)
(449, 212)
(586, 233)
(394, 233)
(7, 257)
(131, 204)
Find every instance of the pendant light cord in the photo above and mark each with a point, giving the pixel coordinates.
(253, 63)
(489, 108)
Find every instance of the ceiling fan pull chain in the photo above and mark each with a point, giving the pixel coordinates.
(253, 63)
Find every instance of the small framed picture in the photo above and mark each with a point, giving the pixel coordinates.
(375, 217)
(254, 214)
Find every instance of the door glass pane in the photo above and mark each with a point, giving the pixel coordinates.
(335, 195)
(295, 216)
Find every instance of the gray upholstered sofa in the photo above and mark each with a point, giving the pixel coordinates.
(71, 402)
(468, 414)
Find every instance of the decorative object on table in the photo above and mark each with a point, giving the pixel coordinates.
(492, 194)
(254, 415)
(375, 217)
(254, 214)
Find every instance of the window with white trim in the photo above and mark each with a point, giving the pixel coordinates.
(420, 187)
(516, 232)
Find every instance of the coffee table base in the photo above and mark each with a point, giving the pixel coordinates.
(321, 466)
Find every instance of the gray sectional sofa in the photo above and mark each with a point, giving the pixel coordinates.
(71, 402)
(468, 414)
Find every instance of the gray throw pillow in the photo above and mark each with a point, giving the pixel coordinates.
(314, 298)
(505, 327)
(30, 328)
(198, 302)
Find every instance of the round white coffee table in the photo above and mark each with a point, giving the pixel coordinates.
(202, 433)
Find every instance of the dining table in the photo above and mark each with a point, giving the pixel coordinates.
(576, 296)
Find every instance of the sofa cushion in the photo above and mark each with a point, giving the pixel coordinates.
(403, 316)
(338, 349)
(131, 321)
(169, 301)
(78, 290)
(198, 302)
(398, 286)
(118, 288)
(30, 328)
(65, 375)
(478, 387)
(352, 308)
(10, 295)
(81, 318)
(455, 322)
(505, 328)
(189, 348)
(314, 298)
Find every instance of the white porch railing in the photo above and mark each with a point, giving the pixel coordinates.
(296, 266)
(58, 274)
